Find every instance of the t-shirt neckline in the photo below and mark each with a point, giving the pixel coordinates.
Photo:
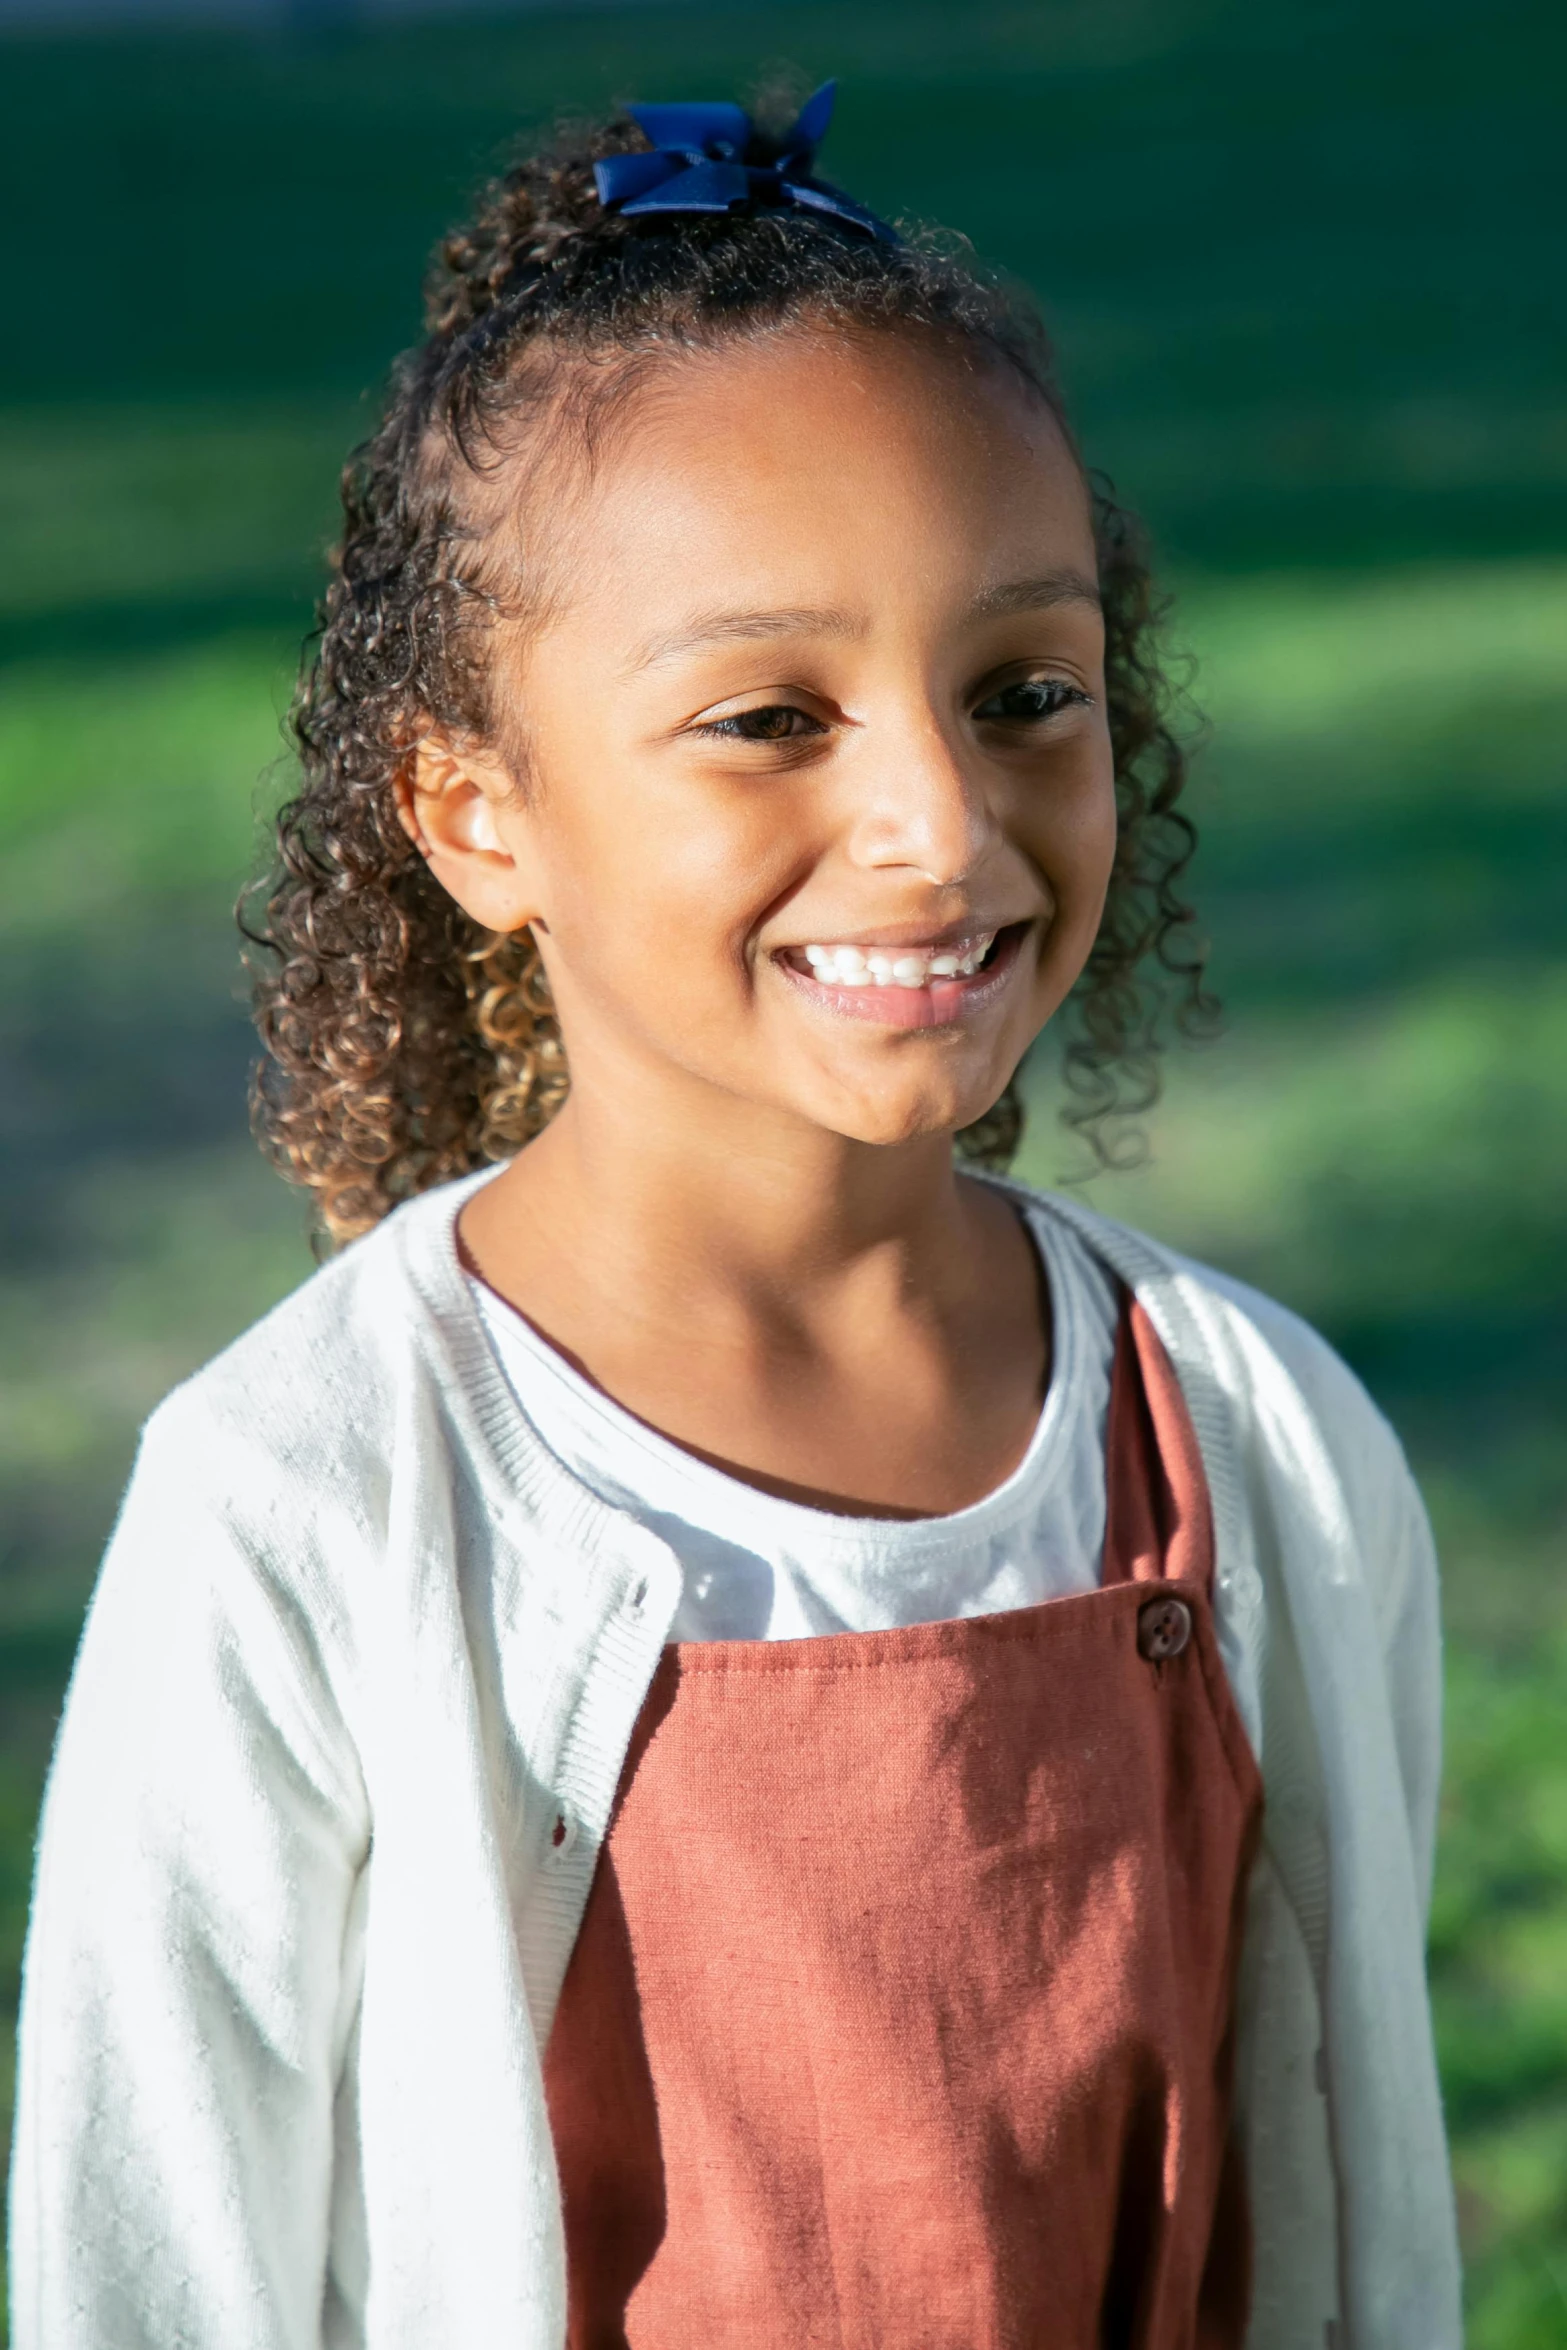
(715, 1499)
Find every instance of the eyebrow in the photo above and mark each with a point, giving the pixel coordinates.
(716, 628)
(1063, 586)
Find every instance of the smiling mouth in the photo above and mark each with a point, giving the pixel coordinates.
(907, 986)
(853, 966)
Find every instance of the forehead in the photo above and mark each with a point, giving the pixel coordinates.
(811, 464)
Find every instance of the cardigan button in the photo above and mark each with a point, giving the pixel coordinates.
(1164, 1627)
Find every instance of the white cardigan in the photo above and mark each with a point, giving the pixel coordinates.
(340, 1747)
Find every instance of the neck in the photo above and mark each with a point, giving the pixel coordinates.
(737, 1215)
(842, 1323)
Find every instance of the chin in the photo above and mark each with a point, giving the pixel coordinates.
(887, 1126)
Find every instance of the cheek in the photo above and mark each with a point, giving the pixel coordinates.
(638, 865)
(1100, 831)
(1071, 831)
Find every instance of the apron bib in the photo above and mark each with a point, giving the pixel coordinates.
(901, 2014)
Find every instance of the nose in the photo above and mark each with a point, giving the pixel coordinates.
(918, 807)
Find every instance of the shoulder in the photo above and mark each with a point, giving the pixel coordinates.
(276, 1384)
(1293, 1402)
(1225, 1308)
(313, 1402)
(1359, 1440)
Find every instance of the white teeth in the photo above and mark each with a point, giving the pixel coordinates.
(850, 966)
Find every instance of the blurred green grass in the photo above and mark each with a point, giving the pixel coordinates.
(1301, 267)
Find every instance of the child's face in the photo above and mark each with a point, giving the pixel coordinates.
(818, 685)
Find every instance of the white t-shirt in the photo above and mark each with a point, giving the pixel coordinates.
(759, 1568)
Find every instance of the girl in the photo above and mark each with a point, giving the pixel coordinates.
(729, 1730)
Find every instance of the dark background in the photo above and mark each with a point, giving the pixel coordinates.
(1304, 267)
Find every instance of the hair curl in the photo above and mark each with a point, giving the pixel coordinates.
(402, 1045)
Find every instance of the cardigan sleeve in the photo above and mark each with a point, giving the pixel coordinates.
(1406, 1599)
(184, 2011)
(1392, 1540)
(1393, 1543)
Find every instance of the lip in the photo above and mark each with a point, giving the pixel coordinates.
(946, 938)
(941, 1003)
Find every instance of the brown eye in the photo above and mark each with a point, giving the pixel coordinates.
(778, 722)
(1030, 700)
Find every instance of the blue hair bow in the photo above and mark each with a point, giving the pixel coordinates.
(706, 159)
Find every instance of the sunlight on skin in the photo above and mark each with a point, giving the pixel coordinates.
(822, 666)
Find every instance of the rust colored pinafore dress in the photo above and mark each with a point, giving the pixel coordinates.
(901, 2015)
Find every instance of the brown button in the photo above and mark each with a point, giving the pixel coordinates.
(1163, 1628)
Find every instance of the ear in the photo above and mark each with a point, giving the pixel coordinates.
(462, 810)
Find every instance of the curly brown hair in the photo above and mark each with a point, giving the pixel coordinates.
(401, 1044)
